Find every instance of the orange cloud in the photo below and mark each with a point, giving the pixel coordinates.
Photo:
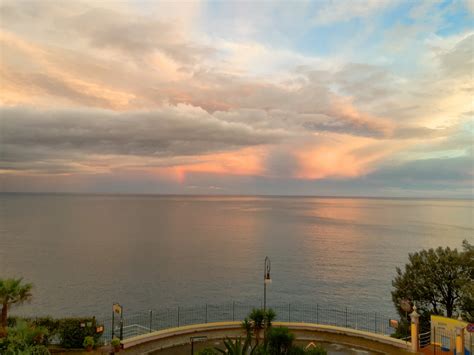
(247, 161)
(345, 157)
(46, 78)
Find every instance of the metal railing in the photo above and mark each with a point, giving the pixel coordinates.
(143, 322)
(424, 339)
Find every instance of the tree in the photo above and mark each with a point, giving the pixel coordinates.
(280, 340)
(439, 281)
(258, 320)
(12, 291)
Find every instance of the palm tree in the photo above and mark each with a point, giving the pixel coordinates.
(12, 291)
(247, 326)
(257, 320)
(269, 316)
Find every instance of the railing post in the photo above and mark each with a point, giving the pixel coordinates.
(317, 313)
(178, 316)
(414, 316)
(206, 312)
(151, 318)
(289, 312)
(233, 310)
(346, 317)
(375, 323)
(113, 324)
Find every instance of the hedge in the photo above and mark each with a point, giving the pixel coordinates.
(69, 331)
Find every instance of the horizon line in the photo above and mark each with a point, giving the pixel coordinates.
(229, 195)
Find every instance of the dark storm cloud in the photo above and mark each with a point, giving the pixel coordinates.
(455, 170)
(32, 135)
(337, 125)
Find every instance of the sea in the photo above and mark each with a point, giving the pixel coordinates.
(85, 252)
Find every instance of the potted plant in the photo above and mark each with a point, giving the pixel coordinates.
(116, 344)
(88, 343)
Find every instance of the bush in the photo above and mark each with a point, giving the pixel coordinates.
(73, 331)
(260, 350)
(207, 351)
(296, 350)
(318, 350)
(70, 331)
(38, 350)
(88, 342)
(280, 340)
(24, 338)
(115, 342)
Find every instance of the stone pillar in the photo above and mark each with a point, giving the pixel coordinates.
(415, 330)
(459, 341)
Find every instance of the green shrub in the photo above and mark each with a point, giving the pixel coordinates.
(38, 350)
(73, 331)
(115, 342)
(260, 350)
(70, 331)
(24, 338)
(88, 341)
(296, 350)
(279, 340)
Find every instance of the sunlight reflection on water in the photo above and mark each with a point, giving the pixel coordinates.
(85, 252)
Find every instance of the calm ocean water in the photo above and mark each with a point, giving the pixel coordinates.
(85, 252)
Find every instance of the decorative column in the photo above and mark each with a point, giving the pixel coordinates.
(415, 330)
(459, 341)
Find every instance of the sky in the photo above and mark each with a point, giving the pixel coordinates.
(352, 98)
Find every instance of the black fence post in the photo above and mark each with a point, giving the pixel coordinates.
(121, 328)
(233, 310)
(317, 313)
(113, 324)
(151, 319)
(375, 324)
(206, 312)
(289, 312)
(178, 316)
(346, 317)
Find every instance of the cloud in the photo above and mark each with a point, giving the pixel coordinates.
(459, 60)
(333, 11)
(136, 88)
(29, 135)
(458, 171)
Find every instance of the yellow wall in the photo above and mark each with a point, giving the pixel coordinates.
(444, 329)
(447, 324)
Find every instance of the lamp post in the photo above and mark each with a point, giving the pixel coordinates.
(266, 280)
